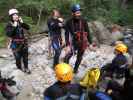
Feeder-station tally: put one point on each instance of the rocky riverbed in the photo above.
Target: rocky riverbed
(31, 86)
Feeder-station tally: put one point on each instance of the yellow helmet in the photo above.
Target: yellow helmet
(64, 72)
(91, 78)
(121, 48)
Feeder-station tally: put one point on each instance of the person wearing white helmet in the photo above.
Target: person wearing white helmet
(13, 11)
(15, 30)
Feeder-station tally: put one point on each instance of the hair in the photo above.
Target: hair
(118, 52)
(54, 11)
(11, 18)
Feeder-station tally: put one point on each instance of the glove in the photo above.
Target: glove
(60, 24)
(20, 20)
(61, 19)
(15, 24)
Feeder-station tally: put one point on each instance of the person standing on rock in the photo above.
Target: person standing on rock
(77, 36)
(55, 23)
(15, 31)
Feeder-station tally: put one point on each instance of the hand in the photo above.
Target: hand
(67, 49)
(63, 44)
(94, 44)
(15, 24)
(61, 19)
(60, 24)
(20, 20)
(92, 47)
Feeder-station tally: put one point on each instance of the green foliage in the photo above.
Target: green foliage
(34, 12)
(110, 10)
(30, 22)
(127, 18)
(107, 10)
(2, 36)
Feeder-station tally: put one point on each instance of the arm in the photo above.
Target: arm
(47, 94)
(67, 34)
(10, 30)
(25, 26)
(53, 25)
(127, 73)
(89, 37)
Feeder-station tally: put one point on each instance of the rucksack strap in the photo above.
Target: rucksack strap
(81, 28)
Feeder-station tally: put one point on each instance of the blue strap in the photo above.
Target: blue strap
(47, 98)
(103, 96)
(56, 45)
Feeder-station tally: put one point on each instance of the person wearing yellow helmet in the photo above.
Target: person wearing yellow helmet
(120, 48)
(119, 63)
(63, 89)
(64, 72)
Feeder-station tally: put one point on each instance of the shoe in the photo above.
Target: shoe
(27, 71)
(75, 71)
(20, 69)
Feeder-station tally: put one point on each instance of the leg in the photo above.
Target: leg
(78, 61)
(25, 59)
(67, 57)
(56, 57)
(49, 48)
(18, 56)
(57, 50)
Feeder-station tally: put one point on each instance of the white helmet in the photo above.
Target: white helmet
(13, 11)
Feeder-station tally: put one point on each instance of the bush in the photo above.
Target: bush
(2, 36)
(31, 23)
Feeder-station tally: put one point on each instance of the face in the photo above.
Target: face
(77, 14)
(56, 14)
(15, 17)
(115, 52)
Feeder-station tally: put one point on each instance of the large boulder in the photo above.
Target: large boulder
(101, 33)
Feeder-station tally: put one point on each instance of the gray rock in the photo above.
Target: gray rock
(32, 86)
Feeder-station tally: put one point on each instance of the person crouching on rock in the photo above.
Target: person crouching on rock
(119, 63)
(15, 31)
